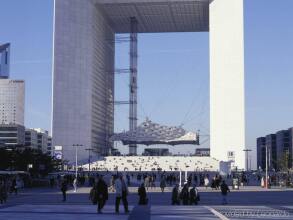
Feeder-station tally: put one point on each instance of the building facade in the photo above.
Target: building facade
(202, 152)
(38, 139)
(284, 148)
(42, 136)
(12, 135)
(83, 99)
(279, 150)
(261, 152)
(83, 82)
(12, 95)
(4, 61)
(31, 138)
(156, 152)
(49, 147)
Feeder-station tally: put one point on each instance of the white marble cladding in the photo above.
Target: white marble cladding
(82, 83)
(227, 116)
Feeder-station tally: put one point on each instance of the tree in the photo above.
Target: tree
(20, 158)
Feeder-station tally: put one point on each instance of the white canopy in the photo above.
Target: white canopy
(149, 133)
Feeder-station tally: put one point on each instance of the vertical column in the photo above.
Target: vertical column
(227, 113)
(133, 82)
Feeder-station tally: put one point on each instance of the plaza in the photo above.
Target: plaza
(192, 104)
(248, 203)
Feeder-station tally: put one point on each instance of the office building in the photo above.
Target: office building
(12, 135)
(42, 136)
(278, 147)
(31, 138)
(38, 139)
(261, 152)
(12, 95)
(49, 146)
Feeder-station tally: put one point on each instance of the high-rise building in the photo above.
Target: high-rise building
(4, 61)
(272, 150)
(261, 152)
(284, 147)
(12, 95)
(279, 148)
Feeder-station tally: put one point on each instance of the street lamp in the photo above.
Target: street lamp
(266, 181)
(89, 150)
(246, 152)
(76, 145)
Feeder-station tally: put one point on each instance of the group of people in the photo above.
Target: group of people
(70, 179)
(99, 193)
(216, 181)
(186, 196)
(9, 186)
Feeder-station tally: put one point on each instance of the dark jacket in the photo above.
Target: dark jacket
(185, 195)
(142, 195)
(193, 195)
(64, 186)
(102, 190)
(175, 194)
(224, 189)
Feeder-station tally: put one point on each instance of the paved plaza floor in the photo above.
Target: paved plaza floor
(43, 204)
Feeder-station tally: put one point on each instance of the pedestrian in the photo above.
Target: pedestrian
(143, 200)
(102, 193)
(64, 189)
(128, 179)
(75, 184)
(3, 192)
(184, 195)
(224, 190)
(175, 195)
(194, 195)
(163, 184)
(93, 194)
(206, 182)
(14, 187)
(121, 193)
(146, 182)
(262, 183)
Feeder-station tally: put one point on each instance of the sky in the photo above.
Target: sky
(173, 69)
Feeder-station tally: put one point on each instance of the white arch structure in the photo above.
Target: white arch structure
(84, 48)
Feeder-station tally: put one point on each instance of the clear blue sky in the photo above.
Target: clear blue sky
(173, 68)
